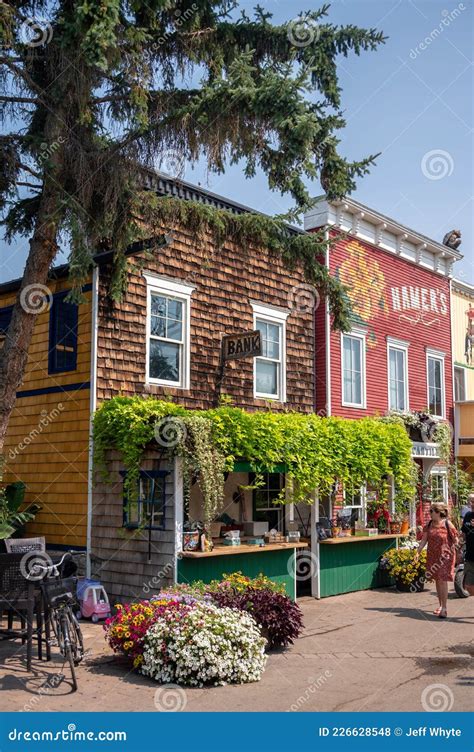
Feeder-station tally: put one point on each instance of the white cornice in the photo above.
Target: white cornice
(463, 287)
(384, 233)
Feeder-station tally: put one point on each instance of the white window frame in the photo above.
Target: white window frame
(177, 291)
(398, 344)
(436, 355)
(362, 336)
(442, 472)
(277, 316)
(464, 373)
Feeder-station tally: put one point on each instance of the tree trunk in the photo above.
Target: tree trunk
(43, 249)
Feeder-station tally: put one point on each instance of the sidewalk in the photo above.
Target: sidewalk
(370, 651)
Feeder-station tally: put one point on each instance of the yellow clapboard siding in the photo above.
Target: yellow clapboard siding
(47, 443)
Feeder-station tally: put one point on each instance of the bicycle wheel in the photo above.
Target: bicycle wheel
(75, 636)
(68, 651)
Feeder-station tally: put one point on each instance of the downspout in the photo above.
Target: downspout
(92, 408)
(328, 335)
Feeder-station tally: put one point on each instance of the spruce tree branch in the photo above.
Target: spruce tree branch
(19, 100)
(29, 185)
(29, 169)
(21, 73)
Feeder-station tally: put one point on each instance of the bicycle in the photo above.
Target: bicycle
(59, 594)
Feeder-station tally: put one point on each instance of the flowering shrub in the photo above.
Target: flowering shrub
(404, 565)
(210, 646)
(126, 630)
(240, 583)
(279, 618)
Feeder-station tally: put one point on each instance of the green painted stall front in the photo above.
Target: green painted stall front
(347, 567)
(274, 564)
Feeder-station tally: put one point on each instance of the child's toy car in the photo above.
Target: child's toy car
(93, 600)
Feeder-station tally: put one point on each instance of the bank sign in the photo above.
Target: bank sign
(241, 345)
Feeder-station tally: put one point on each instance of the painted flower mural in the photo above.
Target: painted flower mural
(366, 284)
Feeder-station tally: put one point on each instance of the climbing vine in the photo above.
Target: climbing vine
(317, 451)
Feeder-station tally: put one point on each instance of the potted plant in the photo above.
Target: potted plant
(396, 524)
(406, 567)
(12, 520)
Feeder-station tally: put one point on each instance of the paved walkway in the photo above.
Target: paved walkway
(368, 651)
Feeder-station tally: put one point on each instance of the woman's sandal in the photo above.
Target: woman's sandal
(443, 614)
(437, 611)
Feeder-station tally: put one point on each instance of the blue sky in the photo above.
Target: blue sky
(414, 105)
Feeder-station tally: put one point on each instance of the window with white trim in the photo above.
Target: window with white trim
(439, 487)
(168, 345)
(353, 370)
(270, 367)
(397, 377)
(435, 376)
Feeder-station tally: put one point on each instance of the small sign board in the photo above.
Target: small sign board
(241, 345)
(420, 450)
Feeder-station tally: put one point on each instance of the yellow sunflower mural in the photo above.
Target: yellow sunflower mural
(365, 281)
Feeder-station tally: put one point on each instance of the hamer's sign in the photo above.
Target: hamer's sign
(241, 345)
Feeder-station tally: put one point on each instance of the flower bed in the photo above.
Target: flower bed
(206, 634)
(211, 645)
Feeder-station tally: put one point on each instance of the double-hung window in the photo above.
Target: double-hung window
(146, 508)
(397, 355)
(435, 378)
(168, 339)
(439, 487)
(270, 367)
(353, 369)
(63, 326)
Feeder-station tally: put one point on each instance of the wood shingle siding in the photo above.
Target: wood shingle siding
(225, 282)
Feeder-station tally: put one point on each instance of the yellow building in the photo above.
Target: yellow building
(462, 306)
(47, 444)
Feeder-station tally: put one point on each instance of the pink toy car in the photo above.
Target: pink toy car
(93, 600)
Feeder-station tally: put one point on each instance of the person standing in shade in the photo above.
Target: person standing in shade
(441, 537)
(467, 530)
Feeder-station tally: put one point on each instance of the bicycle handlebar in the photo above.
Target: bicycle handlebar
(54, 567)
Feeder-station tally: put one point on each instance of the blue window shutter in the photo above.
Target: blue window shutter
(5, 318)
(63, 324)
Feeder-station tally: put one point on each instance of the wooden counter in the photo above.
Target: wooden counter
(221, 550)
(360, 538)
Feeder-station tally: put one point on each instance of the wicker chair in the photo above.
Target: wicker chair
(20, 596)
(24, 545)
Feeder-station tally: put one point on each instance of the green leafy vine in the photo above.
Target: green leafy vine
(317, 451)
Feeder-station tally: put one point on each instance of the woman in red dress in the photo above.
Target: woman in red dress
(441, 537)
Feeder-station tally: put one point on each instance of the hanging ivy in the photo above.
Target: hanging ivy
(317, 451)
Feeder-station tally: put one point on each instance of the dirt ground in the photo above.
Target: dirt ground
(375, 650)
